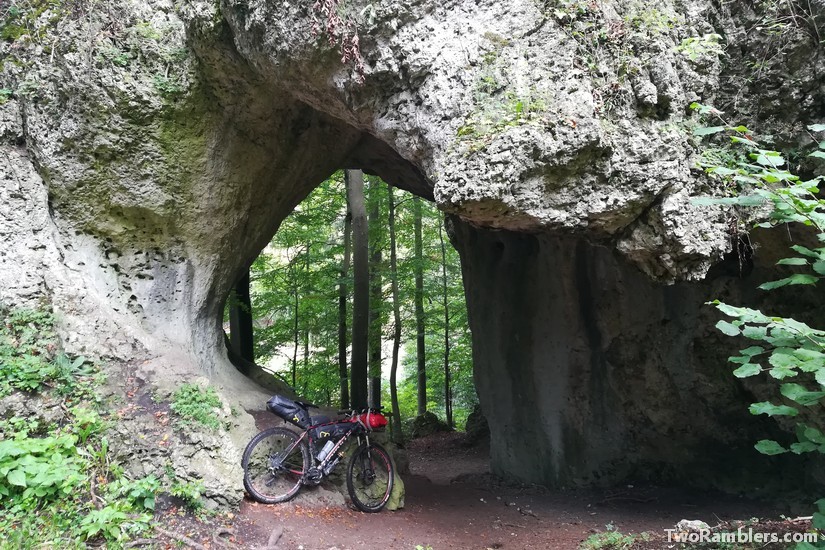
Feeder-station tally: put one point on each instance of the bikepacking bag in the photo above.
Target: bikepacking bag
(332, 432)
(373, 421)
(289, 410)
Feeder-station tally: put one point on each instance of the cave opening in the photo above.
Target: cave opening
(289, 318)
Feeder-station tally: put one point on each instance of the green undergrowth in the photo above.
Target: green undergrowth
(196, 405)
(59, 485)
(612, 539)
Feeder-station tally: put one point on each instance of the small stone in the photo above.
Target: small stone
(692, 526)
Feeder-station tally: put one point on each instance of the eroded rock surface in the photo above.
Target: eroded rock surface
(150, 150)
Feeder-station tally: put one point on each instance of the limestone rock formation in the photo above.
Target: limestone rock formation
(151, 149)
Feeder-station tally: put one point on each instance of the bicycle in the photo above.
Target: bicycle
(278, 461)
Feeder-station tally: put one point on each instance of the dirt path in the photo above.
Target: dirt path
(477, 511)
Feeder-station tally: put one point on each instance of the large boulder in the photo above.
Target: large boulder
(427, 424)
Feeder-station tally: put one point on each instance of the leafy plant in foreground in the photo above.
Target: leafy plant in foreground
(787, 348)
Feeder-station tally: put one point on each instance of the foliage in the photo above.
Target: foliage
(194, 404)
(29, 360)
(27, 345)
(294, 294)
(189, 492)
(58, 484)
(787, 348)
(39, 467)
(697, 47)
(611, 539)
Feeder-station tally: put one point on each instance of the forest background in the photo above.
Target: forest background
(301, 296)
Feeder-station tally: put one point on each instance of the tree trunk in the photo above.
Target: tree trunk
(448, 391)
(295, 332)
(306, 324)
(397, 434)
(342, 311)
(375, 298)
(419, 309)
(240, 321)
(361, 306)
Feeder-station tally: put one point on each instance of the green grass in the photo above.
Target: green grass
(196, 405)
(611, 539)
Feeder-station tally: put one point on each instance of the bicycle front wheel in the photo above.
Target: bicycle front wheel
(274, 463)
(370, 477)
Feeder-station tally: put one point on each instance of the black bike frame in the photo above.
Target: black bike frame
(357, 431)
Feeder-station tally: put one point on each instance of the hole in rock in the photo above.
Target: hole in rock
(293, 315)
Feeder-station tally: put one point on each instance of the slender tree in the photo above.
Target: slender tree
(306, 324)
(360, 306)
(375, 335)
(397, 434)
(295, 332)
(448, 395)
(419, 308)
(342, 312)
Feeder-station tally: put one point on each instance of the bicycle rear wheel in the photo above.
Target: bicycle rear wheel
(370, 477)
(274, 464)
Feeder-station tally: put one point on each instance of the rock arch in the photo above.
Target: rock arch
(147, 189)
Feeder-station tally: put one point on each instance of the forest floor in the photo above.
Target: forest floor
(452, 501)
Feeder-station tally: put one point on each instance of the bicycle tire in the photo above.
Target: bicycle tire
(370, 476)
(262, 482)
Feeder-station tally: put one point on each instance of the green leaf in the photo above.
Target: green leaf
(783, 357)
(817, 128)
(781, 373)
(808, 354)
(820, 505)
(769, 447)
(810, 366)
(767, 159)
(755, 333)
(792, 261)
(748, 369)
(814, 435)
(775, 284)
(803, 447)
(805, 251)
(800, 394)
(819, 267)
(817, 154)
(818, 520)
(803, 279)
(744, 141)
(728, 328)
(795, 279)
(17, 477)
(772, 410)
(707, 130)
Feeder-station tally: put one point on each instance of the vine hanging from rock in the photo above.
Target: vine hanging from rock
(340, 31)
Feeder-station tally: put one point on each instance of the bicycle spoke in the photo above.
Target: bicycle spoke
(370, 478)
(274, 463)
